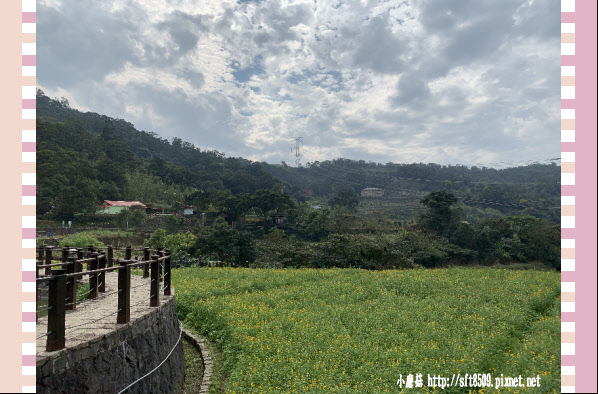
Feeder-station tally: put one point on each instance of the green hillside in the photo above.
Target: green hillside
(279, 216)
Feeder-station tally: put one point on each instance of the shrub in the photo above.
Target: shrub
(313, 226)
(181, 259)
(518, 238)
(225, 243)
(116, 238)
(81, 240)
(173, 223)
(157, 239)
(182, 242)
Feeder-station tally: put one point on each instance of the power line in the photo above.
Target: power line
(340, 170)
(477, 164)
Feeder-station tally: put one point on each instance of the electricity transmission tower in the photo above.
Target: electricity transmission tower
(297, 144)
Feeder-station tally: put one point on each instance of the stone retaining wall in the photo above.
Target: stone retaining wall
(112, 362)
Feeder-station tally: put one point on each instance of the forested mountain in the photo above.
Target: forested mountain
(84, 158)
(430, 215)
(533, 189)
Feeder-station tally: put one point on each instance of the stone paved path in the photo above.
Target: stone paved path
(95, 318)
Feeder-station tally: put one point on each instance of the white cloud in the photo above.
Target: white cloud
(390, 80)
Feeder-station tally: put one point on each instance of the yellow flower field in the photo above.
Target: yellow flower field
(348, 330)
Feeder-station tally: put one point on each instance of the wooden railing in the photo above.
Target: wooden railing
(63, 281)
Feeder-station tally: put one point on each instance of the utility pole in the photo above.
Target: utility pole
(297, 144)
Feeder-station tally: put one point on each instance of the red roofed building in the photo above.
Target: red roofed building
(113, 207)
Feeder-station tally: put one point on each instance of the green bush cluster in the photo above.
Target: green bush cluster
(406, 249)
(520, 238)
(324, 239)
(220, 242)
(81, 240)
(181, 246)
(100, 238)
(115, 238)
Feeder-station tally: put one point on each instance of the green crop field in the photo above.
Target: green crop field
(347, 330)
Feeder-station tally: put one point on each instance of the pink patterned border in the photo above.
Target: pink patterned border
(28, 188)
(572, 201)
(567, 195)
(578, 196)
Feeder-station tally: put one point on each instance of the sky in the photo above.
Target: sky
(471, 82)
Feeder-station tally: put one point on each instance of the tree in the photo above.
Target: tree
(140, 186)
(236, 207)
(266, 202)
(314, 225)
(136, 215)
(441, 215)
(225, 242)
(344, 198)
(199, 199)
(131, 217)
(157, 239)
(518, 238)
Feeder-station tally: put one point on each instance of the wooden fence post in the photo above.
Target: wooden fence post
(161, 254)
(37, 264)
(102, 275)
(71, 285)
(128, 252)
(65, 256)
(79, 264)
(167, 271)
(110, 256)
(155, 282)
(48, 270)
(56, 311)
(40, 251)
(124, 293)
(93, 278)
(146, 257)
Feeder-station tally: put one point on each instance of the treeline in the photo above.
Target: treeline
(533, 189)
(88, 157)
(266, 215)
(327, 238)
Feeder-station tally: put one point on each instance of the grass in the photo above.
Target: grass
(218, 385)
(359, 331)
(194, 368)
(83, 292)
